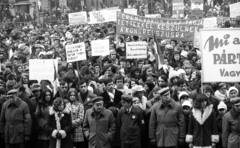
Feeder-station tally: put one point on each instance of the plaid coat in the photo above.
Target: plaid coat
(77, 113)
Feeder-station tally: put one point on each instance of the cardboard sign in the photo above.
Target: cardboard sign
(136, 50)
(234, 10)
(210, 23)
(220, 55)
(77, 18)
(178, 8)
(103, 16)
(178, 29)
(131, 11)
(75, 52)
(197, 8)
(42, 69)
(100, 47)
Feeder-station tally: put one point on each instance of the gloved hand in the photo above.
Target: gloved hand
(27, 138)
(153, 141)
(181, 141)
(59, 136)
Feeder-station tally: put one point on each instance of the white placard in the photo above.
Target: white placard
(103, 16)
(100, 47)
(75, 52)
(42, 69)
(220, 55)
(77, 18)
(210, 23)
(234, 10)
(136, 50)
(131, 11)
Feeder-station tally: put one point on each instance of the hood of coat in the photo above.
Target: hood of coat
(197, 114)
(65, 111)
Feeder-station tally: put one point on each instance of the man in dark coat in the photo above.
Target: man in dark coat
(111, 94)
(15, 121)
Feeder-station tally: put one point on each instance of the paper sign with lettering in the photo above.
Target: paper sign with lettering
(234, 10)
(178, 29)
(197, 8)
(42, 69)
(220, 55)
(136, 50)
(131, 11)
(209, 23)
(75, 52)
(77, 18)
(103, 16)
(177, 8)
(153, 15)
(100, 47)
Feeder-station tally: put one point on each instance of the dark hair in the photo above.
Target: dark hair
(181, 82)
(57, 102)
(75, 92)
(82, 81)
(119, 78)
(164, 77)
(30, 82)
(200, 98)
(44, 97)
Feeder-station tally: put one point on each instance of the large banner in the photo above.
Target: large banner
(103, 16)
(178, 29)
(177, 8)
(220, 55)
(100, 47)
(75, 52)
(197, 8)
(77, 18)
(209, 23)
(153, 15)
(42, 69)
(136, 50)
(234, 10)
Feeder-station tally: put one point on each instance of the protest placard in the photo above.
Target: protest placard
(153, 15)
(100, 47)
(177, 8)
(42, 69)
(196, 40)
(197, 8)
(178, 29)
(220, 55)
(209, 23)
(131, 11)
(75, 52)
(77, 18)
(221, 21)
(136, 50)
(103, 16)
(234, 10)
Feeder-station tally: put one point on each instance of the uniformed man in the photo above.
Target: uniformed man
(130, 122)
(15, 121)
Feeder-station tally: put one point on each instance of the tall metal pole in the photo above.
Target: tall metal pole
(50, 10)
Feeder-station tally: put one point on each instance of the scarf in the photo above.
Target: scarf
(58, 117)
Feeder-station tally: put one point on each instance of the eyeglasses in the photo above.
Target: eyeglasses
(186, 108)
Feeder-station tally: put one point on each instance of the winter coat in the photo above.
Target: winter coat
(167, 124)
(202, 129)
(87, 103)
(231, 130)
(66, 128)
(99, 128)
(15, 121)
(77, 113)
(131, 125)
(42, 114)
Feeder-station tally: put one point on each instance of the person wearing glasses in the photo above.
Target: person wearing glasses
(15, 121)
(167, 125)
(221, 93)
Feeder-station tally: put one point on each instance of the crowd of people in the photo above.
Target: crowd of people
(110, 101)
